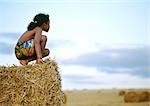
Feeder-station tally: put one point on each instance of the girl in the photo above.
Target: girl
(31, 45)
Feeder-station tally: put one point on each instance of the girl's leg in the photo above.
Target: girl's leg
(44, 54)
(23, 62)
(43, 42)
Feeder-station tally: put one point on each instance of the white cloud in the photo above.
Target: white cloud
(8, 60)
(78, 70)
(78, 77)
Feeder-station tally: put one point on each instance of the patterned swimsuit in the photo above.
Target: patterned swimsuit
(24, 50)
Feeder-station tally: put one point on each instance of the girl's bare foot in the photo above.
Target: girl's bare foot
(23, 62)
(39, 61)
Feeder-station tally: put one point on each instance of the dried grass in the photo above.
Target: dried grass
(32, 85)
(144, 96)
(131, 96)
(122, 93)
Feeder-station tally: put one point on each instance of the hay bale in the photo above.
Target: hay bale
(131, 97)
(144, 96)
(122, 93)
(32, 85)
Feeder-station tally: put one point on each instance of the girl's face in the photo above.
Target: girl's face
(46, 26)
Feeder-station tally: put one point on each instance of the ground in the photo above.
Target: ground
(98, 98)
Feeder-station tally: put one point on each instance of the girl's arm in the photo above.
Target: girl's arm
(37, 39)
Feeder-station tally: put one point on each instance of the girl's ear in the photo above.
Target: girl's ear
(45, 24)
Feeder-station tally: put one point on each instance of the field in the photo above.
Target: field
(99, 98)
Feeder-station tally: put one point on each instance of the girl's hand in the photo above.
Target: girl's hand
(39, 61)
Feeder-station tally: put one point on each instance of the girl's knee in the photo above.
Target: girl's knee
(44, 38)
(46, 52)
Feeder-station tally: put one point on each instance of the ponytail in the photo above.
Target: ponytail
(31, 26)
(38, 20)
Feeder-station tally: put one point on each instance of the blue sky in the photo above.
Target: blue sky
(97, 43)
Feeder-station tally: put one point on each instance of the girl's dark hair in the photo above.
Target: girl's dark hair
(38, 20)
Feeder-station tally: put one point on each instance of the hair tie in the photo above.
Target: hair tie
(35, 22)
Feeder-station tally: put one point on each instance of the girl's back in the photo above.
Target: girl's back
(28, 35)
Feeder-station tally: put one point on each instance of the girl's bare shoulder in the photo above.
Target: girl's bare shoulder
(37, 29)
(32, 33)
